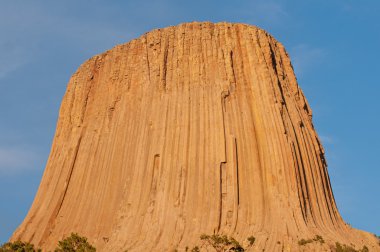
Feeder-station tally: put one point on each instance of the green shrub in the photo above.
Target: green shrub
(195, 249)
(303, 242)
(365, 249)
(319, 239)
(346, 248)
(74, 243)
(251, 240)
(18, 246)
(221, 243)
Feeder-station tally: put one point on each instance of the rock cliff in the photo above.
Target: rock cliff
(198, 128)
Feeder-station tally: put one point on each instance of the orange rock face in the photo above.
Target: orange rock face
(198, 128)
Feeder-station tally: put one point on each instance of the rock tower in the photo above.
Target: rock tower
(197, 128)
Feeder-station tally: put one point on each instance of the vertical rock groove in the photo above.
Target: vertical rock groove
(197, 128)
(237, 173)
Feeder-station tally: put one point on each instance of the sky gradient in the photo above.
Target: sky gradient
(333, 46)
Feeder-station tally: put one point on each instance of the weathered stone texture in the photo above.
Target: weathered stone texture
(192, 129)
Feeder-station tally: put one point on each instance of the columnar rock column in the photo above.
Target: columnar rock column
(198, 128)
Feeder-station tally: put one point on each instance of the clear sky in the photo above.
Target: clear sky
(333, 44)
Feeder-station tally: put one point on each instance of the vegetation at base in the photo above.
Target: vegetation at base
(303, 242)
(221, 243)
(338, 247)
(195, 249)
(317, 238)
(74, 243)
(18, 246)
(218, 242)
(345, 248)
(251, 240)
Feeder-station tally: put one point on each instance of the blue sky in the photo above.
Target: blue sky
(333, 44)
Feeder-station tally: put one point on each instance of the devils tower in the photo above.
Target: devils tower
(197, 128)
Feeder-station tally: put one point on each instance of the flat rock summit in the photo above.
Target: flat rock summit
(192, 129)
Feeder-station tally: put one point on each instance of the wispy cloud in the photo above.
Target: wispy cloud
(267, 12)
(305, 57)
(12, 58)
(27, 28)
(15, 160)
(326, 140)
(346, 7)
(270, 11)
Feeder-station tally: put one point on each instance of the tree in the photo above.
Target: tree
(74, 243)
(18, 246)
(222, 243)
